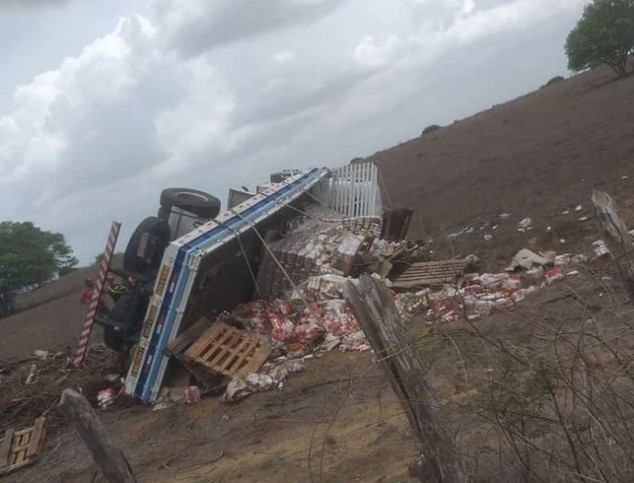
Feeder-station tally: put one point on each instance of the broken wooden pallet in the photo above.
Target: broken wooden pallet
(183, 341)
(228, 351)
(430, 273)
(21, 448)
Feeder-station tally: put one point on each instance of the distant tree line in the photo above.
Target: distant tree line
(29, 255)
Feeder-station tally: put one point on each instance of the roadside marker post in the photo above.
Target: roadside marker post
(89, 320)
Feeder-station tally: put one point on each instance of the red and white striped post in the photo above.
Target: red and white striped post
(82, 347)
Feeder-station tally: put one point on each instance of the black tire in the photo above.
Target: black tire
(163, 213)
(197, 202)
(159, 231)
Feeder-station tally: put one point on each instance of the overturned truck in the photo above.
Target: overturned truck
(243, 253)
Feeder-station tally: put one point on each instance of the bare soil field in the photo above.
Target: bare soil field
(339, 420)
(535, 156)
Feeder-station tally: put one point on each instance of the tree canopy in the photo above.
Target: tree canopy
(30, 255)
(604, 35)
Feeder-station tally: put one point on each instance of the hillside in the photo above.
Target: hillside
(49, 317)
(534, 156)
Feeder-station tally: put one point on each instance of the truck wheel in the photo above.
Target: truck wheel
(159, 237)
(197, 202)
(163, 213)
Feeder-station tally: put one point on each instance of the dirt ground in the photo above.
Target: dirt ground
(51, 326)
(48, 318)
(339, 420)
(533, 157)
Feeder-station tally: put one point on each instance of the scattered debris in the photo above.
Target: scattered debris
(192, 395)
(106, 397)
(554, 274)
(488, 237)
(464, 231)
(563, 259)
(21, 448)
(42, 354)
(578, 208)
(526, 259)
(177, 346)
(21, 403)
(31, 376)
(431, 273)
(600, 249)
(168, 397)
(272, 376)
(524, 225)
(228, 351)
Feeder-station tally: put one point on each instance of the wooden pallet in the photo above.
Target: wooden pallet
(21, 448)
(228, 351)
(430, 273)
(183, 341)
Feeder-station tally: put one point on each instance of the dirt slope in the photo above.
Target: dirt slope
(534, 156)
(49, 317)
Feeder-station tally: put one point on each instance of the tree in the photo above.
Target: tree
(604, 35)
(30, 255)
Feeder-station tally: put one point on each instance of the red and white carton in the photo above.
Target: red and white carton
(192, 394)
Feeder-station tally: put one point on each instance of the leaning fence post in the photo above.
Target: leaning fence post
(616, 237)
(377, 315)
(111, 460)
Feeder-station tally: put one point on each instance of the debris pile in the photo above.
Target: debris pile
(31, 386)
(21, 448)
(319, 325)
(313, 317)
(318, 242)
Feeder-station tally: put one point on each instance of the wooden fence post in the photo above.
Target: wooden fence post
(614, 233)
(379, 319)
(111, 460)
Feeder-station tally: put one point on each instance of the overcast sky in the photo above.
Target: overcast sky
(103, 104)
